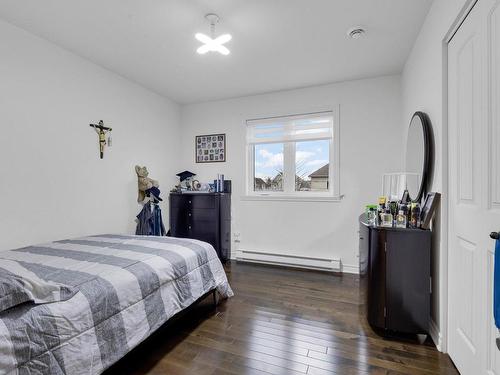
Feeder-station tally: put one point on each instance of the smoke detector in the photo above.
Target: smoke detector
(356, 32)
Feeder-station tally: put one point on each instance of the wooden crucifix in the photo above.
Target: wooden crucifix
(101, 131)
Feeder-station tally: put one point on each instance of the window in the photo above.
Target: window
(293, 155)
(268, 166)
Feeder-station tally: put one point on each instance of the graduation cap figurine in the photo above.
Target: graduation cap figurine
(186, 178)
(184, 175)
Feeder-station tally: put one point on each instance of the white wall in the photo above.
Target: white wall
(53, 184)
(370, 141)
(423, 89)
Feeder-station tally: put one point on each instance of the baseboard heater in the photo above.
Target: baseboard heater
(332, 265)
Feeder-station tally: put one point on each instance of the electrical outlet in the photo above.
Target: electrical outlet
(236, 238)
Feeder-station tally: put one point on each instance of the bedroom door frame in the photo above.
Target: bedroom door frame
(485, 12)
(443, 336)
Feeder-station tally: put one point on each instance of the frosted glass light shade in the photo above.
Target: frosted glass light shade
(213, 45)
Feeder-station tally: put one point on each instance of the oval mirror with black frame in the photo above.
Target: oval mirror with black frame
(418, 156)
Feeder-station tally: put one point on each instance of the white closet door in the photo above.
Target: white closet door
(474, 184)
(493, 169)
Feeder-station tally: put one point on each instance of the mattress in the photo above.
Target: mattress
(127, 287)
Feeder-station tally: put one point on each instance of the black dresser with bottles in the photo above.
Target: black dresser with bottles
(395, 277)
(205, 217)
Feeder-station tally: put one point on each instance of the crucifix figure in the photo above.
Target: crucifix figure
(101, 131)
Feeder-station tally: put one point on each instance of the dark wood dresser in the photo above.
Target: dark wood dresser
(205, 217)
(395, 279)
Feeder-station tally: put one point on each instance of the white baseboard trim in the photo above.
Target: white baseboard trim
(435, 334)
(349, 268)
(314, 263)
(323, 264)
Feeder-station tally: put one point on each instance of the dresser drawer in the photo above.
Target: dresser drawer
(202, 201)
(178, 200)
(202, 214)
(202, 227)
(203, 231)
(193, 201)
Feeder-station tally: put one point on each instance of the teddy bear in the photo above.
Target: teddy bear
(144, 182)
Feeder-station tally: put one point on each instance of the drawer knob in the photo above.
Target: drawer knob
(189, 214)
(189, 227)
(189, 201)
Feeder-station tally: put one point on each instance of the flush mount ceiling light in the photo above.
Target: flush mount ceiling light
(356, 32)
(211, 43)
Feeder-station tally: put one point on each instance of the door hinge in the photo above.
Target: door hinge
(430, 285)
(385, 247)
(385, 312)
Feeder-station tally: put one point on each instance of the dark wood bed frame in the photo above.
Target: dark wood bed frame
(215, 301)
(215, 297)
(182, 313)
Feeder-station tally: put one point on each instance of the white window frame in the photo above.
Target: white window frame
(289, 193)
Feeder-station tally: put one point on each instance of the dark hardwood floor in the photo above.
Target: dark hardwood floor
(281, 321)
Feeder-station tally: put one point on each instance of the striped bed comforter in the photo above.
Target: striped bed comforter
(128, 286)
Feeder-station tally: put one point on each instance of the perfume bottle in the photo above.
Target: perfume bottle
(401, 219)
(386, 218)
(381, 208)
(393, 206)
(415, 215)
(406, 211)
(371, 215)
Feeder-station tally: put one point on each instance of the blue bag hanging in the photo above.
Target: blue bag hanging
(496, 285)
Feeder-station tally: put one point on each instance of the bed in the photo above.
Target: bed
(101, 297)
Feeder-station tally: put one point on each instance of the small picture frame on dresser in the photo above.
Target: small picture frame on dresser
(210, 148)
(430, 206)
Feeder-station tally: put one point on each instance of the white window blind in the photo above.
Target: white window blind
(314, 126)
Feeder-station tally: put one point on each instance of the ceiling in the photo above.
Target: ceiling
(276, 45)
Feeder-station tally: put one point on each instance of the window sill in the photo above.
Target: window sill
(291, 198)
